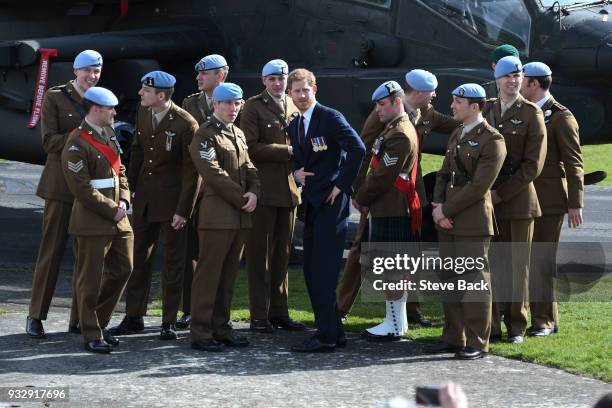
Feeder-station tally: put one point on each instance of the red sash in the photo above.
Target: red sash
(408, 187)
(108, 152)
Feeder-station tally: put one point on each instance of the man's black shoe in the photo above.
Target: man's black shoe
(184, 322)
(208, 345)
(110, 339)
(128, 325)
(442, 347)
(420, 320)
(532, 331)
(34, 328)
(556, 329)
(313, 345)
(74, 327)
(168, 331)
(287, 323)
(234, 341)
(98, 346)
(495, 338)
(470, 353)
(378, 338)
(262, 326)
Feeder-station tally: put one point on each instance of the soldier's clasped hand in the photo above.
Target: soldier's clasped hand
(178, 222)
(121, 211)
(251, 202)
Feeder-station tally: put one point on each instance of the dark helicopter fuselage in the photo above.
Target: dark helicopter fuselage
(351, 45)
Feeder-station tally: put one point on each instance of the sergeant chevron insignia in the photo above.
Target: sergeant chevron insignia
(208, 154)
(75, 167)
(389, 161)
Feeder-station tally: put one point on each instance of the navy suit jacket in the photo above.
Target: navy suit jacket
(337, 165)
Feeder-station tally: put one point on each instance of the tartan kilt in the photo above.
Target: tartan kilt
(397, 237)
(390, 229)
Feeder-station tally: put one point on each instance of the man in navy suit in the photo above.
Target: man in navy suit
(327, 154)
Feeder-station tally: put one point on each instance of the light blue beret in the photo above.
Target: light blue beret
(470, 91)
(158, 79)
(537, 69)
(87, 58)
(275, 67)
(212, 61)
(227, 91)
(386, 89)
(421, 80)
(507, 65)
(101, 96)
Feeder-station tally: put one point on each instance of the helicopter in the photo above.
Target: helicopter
(351, 45)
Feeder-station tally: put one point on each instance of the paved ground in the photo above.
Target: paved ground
(147, 371)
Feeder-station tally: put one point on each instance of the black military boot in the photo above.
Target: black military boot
(34, 328)
(128, 325)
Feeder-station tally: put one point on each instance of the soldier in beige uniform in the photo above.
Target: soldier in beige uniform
(163, 182)
(388, 195)
(96, 177)
(264, 121)
(420, 90)
(61, 113)
(521, 123)
(211, 71)
(219, 152)
(560, 189)
(463, 213)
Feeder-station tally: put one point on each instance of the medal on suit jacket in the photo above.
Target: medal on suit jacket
(318, 144)
(315, 145)
(169, 138)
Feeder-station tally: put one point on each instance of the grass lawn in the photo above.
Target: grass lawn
(581, 347)
(596, 157)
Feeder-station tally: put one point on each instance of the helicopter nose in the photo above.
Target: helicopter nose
(586, 49)
(604, 56)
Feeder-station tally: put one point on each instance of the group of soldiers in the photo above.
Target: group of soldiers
(219, 175)
(512, 169)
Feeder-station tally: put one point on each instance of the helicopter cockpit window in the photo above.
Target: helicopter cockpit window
(493, 21)
(379, 3)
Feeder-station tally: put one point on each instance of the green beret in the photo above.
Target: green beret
(502, 51)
